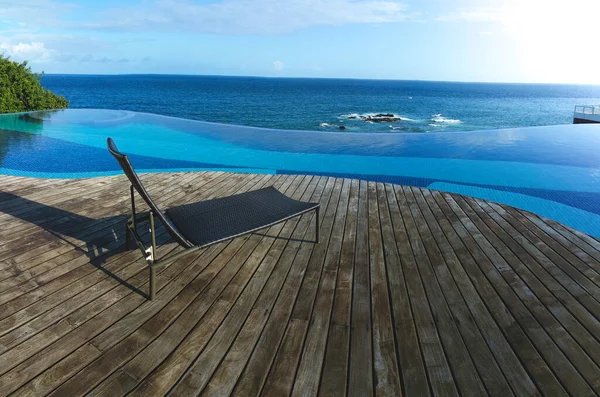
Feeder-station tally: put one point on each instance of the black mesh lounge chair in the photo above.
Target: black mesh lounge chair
(198, 225)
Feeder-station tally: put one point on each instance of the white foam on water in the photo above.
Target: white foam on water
(440, 119)
(363, 116)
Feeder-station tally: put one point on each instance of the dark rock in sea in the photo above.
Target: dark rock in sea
(381, 118)
(351, 117)
(342, 127)
(384, 115)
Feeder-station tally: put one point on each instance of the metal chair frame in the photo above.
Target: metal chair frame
(149, 253)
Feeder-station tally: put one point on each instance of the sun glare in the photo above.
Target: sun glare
(557, 40)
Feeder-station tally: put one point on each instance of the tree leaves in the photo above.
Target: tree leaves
(21, 91)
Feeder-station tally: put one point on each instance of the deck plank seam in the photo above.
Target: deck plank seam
(562, 301)
(551, 364)
(535, 231)
(412, 207)
(424, 207)
(322, 196)
(542, 280)
(329, 322)
(91, 226)
(386, 189)
(338, 186)
(401, 218)
(579, 239)
(191, 365)
(296, 223)
(116, 249)
(440, 199)
(407, 216)
(477, 292)
(193, 262)
(295, 249)
(550, 311)
(390, 312)
(129, 293)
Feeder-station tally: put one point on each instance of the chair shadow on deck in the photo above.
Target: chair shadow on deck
(101, 238)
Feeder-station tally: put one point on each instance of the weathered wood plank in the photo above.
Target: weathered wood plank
(513, 285)
(126, 336)
(385, 363)
(255, 373)
(335, 367)
(414, 376)
(459, 305)
(134, 299)
(360, 371)
(283, 370)
(225, 377)
(410, 292)
(253, 271)
(313, 353)
(464, 269)
(440, 376)
(428, 258)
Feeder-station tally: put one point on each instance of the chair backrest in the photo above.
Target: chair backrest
(137, 185)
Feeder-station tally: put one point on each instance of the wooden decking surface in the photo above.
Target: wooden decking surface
(410, 292)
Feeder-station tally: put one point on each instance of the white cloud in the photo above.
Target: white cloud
(29, 48)
(40, 49)
(228, 17)
(38, 13)
(278, 66)
(247, 16)
(35, 51)
(474, 15)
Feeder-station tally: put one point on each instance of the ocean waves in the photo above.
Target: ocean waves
(303, 104)
(387, 121)
(438, 118)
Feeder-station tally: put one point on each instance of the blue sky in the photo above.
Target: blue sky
(533, 41)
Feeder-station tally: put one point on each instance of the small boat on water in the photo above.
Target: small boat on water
(586, 114)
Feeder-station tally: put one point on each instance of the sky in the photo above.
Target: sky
(527, 41)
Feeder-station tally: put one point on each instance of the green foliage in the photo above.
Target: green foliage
(21, 91)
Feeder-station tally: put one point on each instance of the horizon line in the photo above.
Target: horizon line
(317, 78)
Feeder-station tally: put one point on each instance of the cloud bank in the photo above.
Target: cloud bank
(35, 51)
(236, 17)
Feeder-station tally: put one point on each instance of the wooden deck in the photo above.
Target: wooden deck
(410, 292)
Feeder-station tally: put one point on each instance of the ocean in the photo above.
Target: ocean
(330, 104)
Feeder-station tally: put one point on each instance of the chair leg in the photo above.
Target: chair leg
(127, 235)
(152, 284)
(317, 227)
(152, 258)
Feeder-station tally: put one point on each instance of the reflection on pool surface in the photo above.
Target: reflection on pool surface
(552, 171)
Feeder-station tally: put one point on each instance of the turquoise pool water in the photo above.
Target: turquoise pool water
(552, 171)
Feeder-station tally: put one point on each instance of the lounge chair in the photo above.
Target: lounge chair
(198, 225)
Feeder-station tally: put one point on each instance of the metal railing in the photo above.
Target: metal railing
(588, 109)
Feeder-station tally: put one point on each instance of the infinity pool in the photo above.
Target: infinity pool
(552, 171)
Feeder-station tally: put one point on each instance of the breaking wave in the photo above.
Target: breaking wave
(439, 119)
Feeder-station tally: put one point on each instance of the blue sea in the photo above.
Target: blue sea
(328, 104)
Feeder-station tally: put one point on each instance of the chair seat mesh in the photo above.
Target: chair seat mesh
(213, 220)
